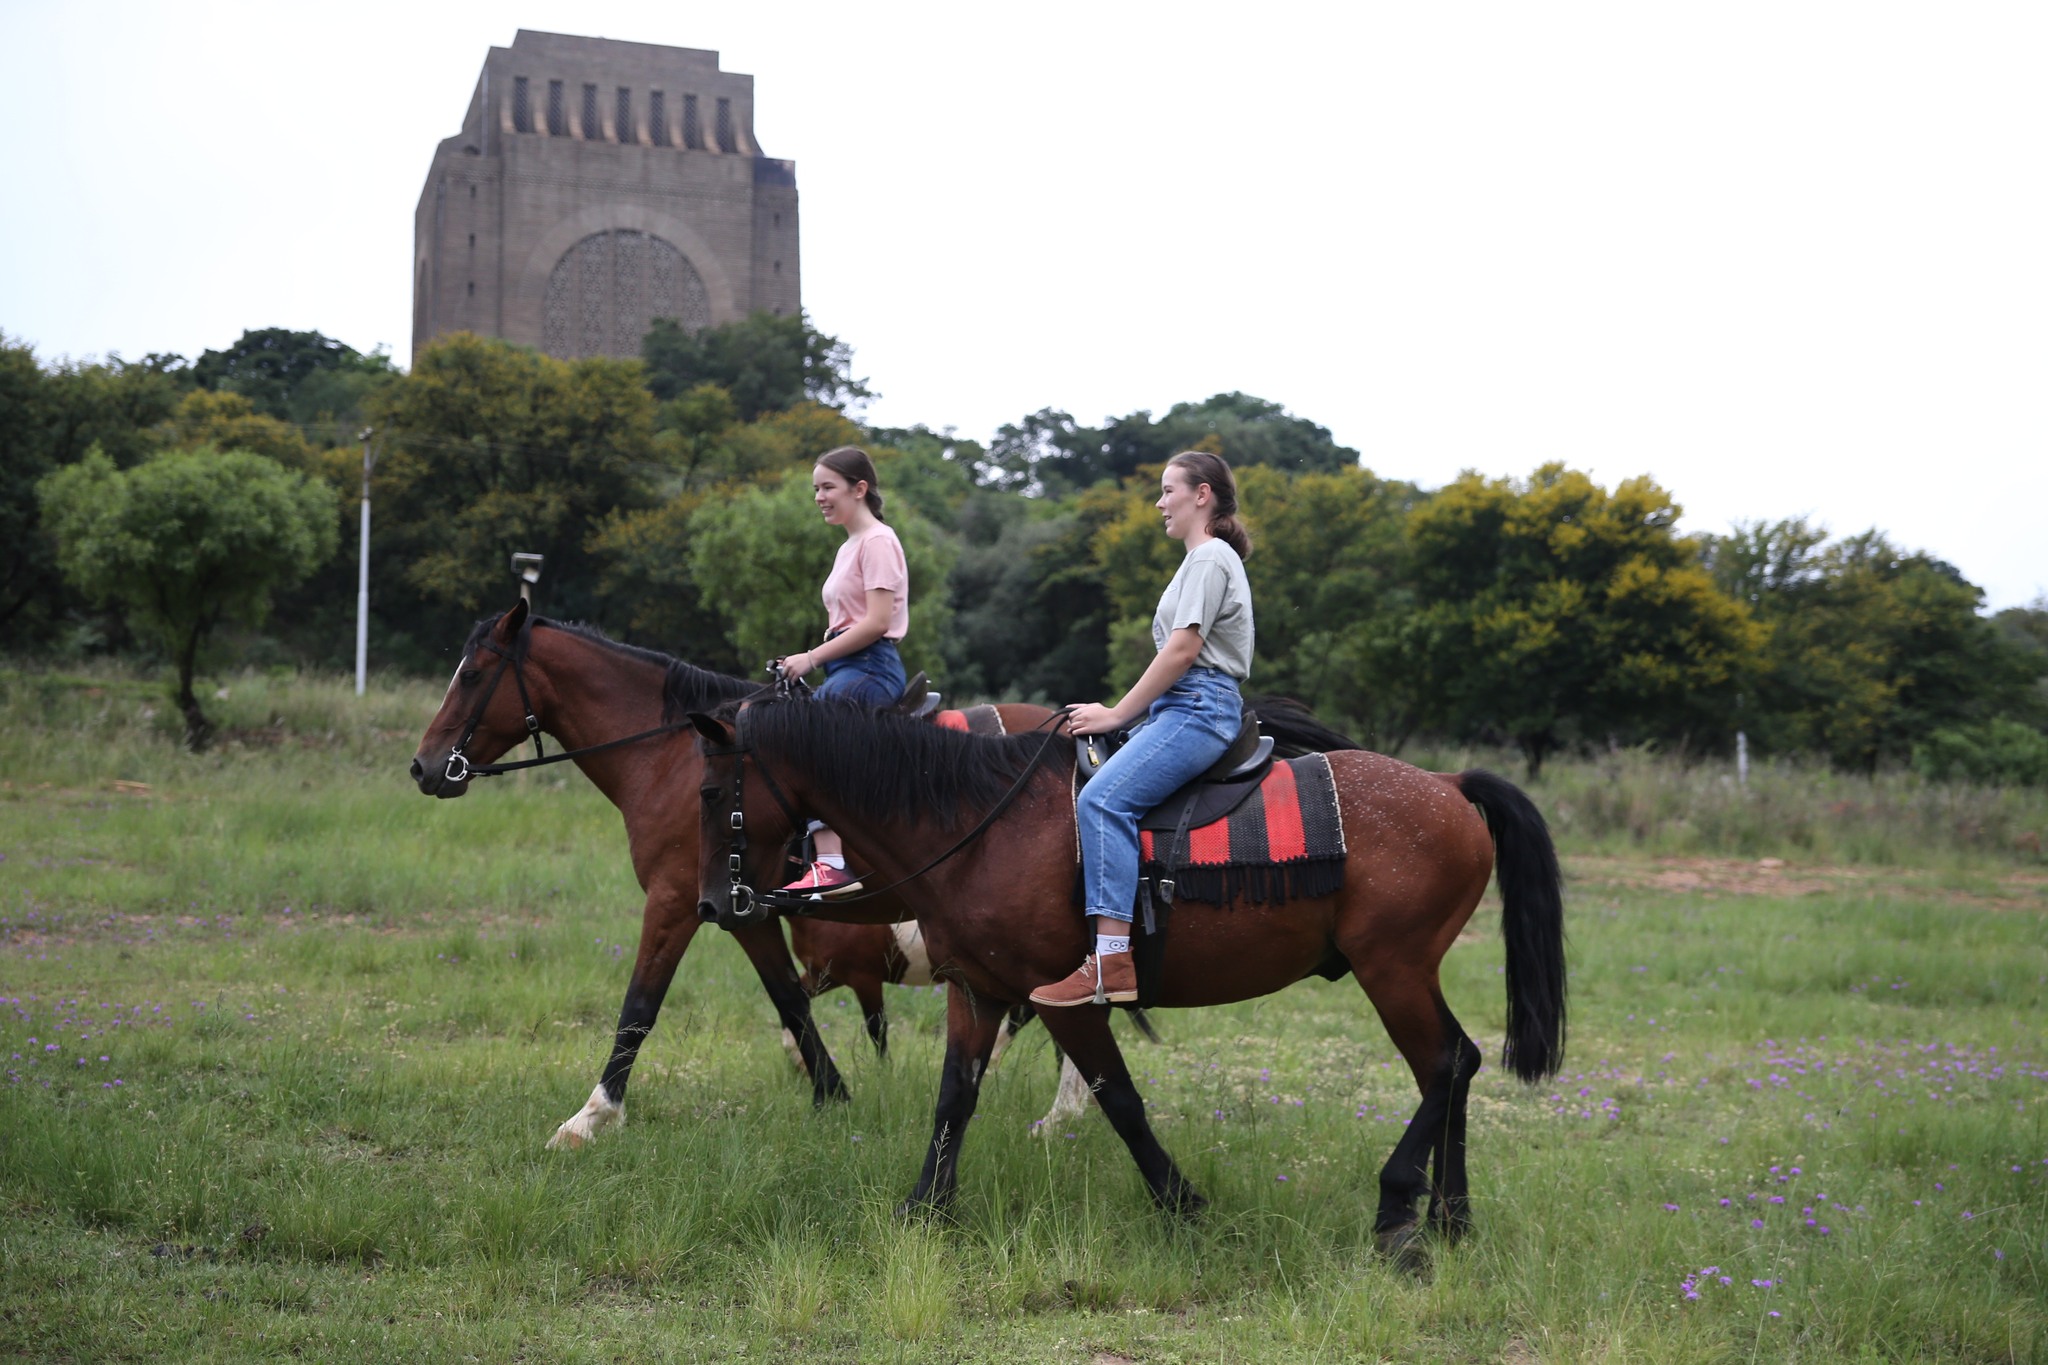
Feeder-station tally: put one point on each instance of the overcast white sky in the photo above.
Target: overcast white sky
(1786, 258)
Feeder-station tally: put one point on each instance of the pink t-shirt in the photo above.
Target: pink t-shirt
(872, 559)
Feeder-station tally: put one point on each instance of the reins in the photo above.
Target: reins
(800, 903)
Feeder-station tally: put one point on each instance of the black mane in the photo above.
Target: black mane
(684, 686)
(893, 766)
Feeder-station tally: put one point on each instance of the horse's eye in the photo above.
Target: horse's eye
(710, 795)
(470, 675)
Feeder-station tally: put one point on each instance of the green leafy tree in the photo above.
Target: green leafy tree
(1049, 452)
(764, 362)
(1550, 610)
(300, 377)
(228, 421)
(1329, 578)
(489, 448)
(759, 556)
(1871, 649)
(1031, 613)
(49, 418)
(186, 540)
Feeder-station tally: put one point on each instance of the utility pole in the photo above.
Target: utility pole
(363, 571)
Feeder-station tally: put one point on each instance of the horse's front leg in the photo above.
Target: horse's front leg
(765, 948)
(667, 924)
(971, 1026)
(1082, 1031)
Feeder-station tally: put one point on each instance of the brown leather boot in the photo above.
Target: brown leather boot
(1111, 978)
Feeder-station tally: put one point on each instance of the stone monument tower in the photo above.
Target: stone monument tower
(595, 186)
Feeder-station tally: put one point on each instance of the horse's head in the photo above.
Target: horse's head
(745, 825)
(484, 713)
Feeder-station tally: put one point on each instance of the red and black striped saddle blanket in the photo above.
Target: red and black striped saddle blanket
(1284, 842)
(974, 720)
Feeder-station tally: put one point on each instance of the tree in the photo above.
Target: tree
(1031, 617)
(1871, 649)
(1550, 610)
(186, 540)
(228, 421)
(300, 377)
(764, 362)
(489, 448)
(1048, 452)
(49, 418)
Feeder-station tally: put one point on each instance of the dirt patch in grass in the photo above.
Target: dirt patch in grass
(1711, 877)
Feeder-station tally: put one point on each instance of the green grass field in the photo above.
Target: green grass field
(283, 1040)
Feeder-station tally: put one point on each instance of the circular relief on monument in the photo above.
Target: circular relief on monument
(607, 290)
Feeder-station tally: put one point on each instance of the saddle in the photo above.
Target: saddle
(1210, 797)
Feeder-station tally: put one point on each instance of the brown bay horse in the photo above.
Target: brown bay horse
(588, 691)
(998, 916)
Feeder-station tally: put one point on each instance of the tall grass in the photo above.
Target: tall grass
(339, 1020)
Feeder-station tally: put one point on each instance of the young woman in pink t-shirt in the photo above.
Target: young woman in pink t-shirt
(867, 610)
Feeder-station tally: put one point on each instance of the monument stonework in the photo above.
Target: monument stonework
(598, 185)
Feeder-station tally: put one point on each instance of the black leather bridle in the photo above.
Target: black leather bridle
(748, 904)
(460, 769)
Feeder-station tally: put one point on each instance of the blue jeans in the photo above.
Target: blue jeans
(1185, 732)
(873, 676)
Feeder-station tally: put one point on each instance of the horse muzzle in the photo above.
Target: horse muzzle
(445, 780)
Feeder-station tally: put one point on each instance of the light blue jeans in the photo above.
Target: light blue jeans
(1182, 734)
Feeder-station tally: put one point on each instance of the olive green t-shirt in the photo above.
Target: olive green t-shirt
(1210, 593)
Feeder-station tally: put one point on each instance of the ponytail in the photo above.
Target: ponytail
(1203, 468)
(852, 464)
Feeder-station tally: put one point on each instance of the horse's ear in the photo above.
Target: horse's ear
(711, 729)
(509, 624)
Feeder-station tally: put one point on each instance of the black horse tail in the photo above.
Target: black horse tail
(1531, 921)
(1294, 728)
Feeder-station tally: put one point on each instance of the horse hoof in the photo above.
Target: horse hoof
(916, 1210)
(1403, 1246)
(1185, 1205)
(598, 1113)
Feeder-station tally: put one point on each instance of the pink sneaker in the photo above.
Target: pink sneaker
(821, 880)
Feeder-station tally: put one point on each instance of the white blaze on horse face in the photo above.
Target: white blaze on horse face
(918, 963)
(454, 678)
(597, 1114)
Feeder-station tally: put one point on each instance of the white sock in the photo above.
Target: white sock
(1105, 944)
(837, 860)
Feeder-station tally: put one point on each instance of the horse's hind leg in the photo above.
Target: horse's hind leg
(667, 924)
(1013, 1024)
(764, 947)
(1082, 1031)
(1442, 1060)
(971, 1026)
(868, 990)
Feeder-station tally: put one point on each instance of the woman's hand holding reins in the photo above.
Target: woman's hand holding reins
(1093, 718)
(790, 669)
